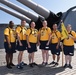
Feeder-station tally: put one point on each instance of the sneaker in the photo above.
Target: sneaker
(52, 63)
(12, 64)
(19, 67)
(56, 64)
(31, 65)
(23, 64)
(46, 63)
(43, 63)
(8, 66)
(70, 66)
(35, 64)
(65, 66)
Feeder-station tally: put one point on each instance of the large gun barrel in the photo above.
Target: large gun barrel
(19, 16)
(49, 16)
(37, 8)
(20, 9)
(30, 15)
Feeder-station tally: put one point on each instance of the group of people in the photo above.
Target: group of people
(23, 38)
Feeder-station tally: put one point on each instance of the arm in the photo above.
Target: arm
(50, 36)
(7, 40)
(58, 44)
(18, 37)
(73, 35)
(59, 39)
(39, 35)
(27, 37)
(28, 41)
(74, 38)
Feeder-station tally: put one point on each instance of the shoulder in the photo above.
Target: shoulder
(18, 27)
(58, 31)
(36, 30)
(6, 29)
(40, 29)
(73, 32)
(29, 29)
(25, 28)
(48, 28)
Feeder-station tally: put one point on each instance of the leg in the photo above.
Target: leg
(19, 66)
(70, 59)
(58, 57)
(8, 61)
(20, 56)
(53, 57)
(66, 59)
(29, 57)
(43, 55)
(47, 56)
(7, 58)
(11, 57)
(32, 57)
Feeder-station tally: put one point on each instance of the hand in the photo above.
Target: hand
(29, 46)
(61, 21)
(57, 47)
(9, 45)
(47, 43)
(38, 43)
(70, 36)
(20, 44)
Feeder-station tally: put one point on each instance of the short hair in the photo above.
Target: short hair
(43, 21)
(10, 22)
(31, 22)
(69, 25)
(23, 20)
(54, 24)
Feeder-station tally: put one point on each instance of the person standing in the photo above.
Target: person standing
(68, 46)
(32, 39)
(43, 38)
(54, 46)
(9, 44)
(21, 42)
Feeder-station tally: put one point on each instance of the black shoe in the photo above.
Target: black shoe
(19, 67)
(11, 64)
(70, 66)
(8, 66)
(43, 63)
(52, 63)
(46, 63)
(56, 64)
(31, 65)
(35, 64)
(23, 64)
(65, 66)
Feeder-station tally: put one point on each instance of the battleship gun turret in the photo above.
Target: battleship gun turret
(47, 14)
(30, 15)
